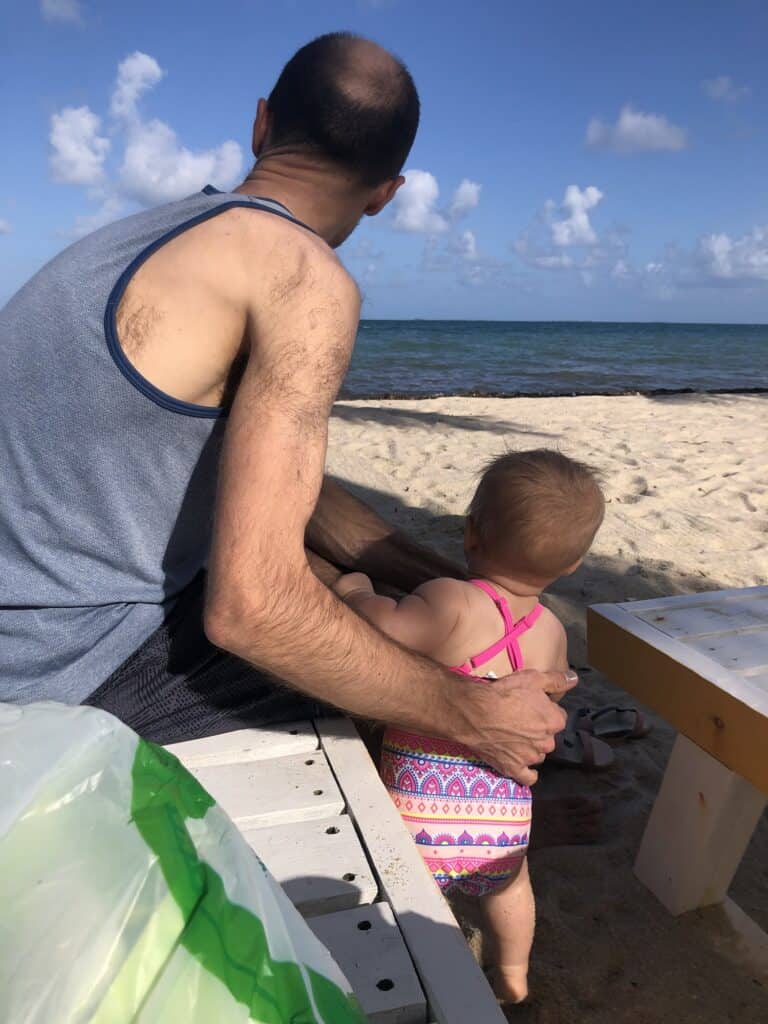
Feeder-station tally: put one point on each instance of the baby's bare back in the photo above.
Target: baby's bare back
(480, 624)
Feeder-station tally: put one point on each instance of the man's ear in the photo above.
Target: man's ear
(383, 195)
(261, 127)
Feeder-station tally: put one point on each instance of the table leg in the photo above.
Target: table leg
(699, 828)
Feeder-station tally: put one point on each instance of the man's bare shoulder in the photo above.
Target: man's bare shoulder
(282, 258)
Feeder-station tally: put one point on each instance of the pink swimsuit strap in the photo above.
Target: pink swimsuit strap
(509, 641)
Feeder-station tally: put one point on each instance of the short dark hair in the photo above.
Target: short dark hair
(538, 510)
(360, 114)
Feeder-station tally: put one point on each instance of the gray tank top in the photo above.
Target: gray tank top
(106, 483)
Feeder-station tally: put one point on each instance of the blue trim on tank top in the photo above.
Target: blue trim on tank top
(119, 357)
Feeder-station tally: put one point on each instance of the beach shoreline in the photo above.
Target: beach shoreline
(404, 396)
(687, 510)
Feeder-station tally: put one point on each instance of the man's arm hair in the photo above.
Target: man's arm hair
(264, 603)
(350, 533)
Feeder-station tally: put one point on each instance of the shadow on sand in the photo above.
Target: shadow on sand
(409, 417)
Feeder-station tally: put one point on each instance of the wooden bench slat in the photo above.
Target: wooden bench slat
(296, 788)
(320, 864)
(367, 945)
(247, 745)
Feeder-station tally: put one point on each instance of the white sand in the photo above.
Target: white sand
(687, 491)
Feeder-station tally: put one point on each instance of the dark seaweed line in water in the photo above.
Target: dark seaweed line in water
(366, 396)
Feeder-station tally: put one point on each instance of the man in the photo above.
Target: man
(208, 339)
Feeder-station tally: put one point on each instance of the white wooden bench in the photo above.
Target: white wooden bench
(701, 662)
(308, 799)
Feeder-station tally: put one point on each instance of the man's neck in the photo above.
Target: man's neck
(322, 200)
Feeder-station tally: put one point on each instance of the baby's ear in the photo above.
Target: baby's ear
(572, 568)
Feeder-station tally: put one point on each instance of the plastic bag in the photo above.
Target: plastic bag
(127, 895)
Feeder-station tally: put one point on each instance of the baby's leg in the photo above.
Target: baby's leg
(509, 917)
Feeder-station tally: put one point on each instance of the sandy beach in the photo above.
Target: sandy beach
(687, 510)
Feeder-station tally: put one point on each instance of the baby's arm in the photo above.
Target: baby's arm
(562, 650)
(422, 620)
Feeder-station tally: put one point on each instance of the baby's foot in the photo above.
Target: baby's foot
(510, 982)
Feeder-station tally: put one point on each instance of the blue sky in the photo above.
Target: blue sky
(596, 160)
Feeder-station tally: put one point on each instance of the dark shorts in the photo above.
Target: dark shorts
(178, 686)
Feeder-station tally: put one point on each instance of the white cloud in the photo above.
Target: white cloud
(723, 87)
(135, 75)
(736, 260)
(563, 239)
(153, 165)
(575, 229)
(415, 205)
(717, 260)
(156, 169)
(110, 209)
(78, 151)
(558, 262)
(465, 198)
(465, 246)
(61, 10)
(363, 249)
(5, 227)
(636, 132)
(459, 256)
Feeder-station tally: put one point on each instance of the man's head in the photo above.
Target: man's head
(345, 104)
(535, 514)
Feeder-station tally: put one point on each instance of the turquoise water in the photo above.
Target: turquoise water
(417, 358)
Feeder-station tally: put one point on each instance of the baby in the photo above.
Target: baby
(532, 519)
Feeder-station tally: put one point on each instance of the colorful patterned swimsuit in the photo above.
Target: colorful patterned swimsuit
(470, 824)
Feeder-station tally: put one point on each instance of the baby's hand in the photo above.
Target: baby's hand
(352, 583)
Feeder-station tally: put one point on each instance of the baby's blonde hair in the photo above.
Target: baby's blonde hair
(537, 510)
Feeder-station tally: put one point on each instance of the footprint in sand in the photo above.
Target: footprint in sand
(640, 490)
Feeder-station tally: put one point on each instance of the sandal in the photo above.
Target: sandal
(610, 723)
(578, 749)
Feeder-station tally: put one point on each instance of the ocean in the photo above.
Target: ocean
(422, 358)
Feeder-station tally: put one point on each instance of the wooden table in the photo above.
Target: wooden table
(308, 799)
(701, 662)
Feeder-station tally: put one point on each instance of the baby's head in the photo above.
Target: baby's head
(534, 516)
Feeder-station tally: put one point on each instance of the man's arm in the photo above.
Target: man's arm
(347, 532)
(421, 621)
(265, 605)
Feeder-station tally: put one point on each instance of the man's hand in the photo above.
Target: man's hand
(511, 723)
(353, 583)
